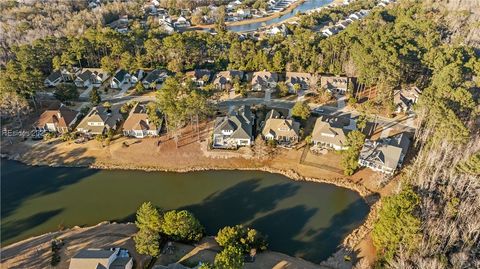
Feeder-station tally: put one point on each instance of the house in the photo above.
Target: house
(404, 99)
(264, 80)
(224, 80)
(199, 76)
(84, 78)
(384, 155)
(167, 27)
(181, 23)
(234, 130)
(99, 120)
(121, 77)
(154, 77)
(58, 120)
(343, 24)
(53, 79)
(94, 258)
(138, 124)
(303, 80)
(329, 31)
(282, 29)
(284, 131)
(334, 84)
(97, 76)
(91, 77)
(329, 132)
(136, 76)
(243, 13)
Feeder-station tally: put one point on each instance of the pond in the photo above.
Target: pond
(302, 219)
(303, 7)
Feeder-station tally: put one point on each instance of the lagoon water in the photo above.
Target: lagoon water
(305, 6)
(302, 219)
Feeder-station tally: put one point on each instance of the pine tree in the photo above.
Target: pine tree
(148, 224)
(95, 98)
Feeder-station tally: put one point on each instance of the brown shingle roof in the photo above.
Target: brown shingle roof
(62, 116)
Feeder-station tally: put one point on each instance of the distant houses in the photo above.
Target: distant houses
(200, 76)
(284, 131)
(95, 258)
(54, 79)
(154, 77)
(120, 78)
(60, 76)
(335, 84)
(100, 120)
(138, 123)
(234, 130)
(385, 155)
(91, 77)
(264, 80)
(225, 79)
(58, 120)
(303, 80)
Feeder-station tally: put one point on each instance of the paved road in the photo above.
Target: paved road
(405, 123)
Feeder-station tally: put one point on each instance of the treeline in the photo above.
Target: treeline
(433, 221)
(155, 227)
(22, 22)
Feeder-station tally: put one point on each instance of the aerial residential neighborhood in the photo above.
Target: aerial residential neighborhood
(239, 134)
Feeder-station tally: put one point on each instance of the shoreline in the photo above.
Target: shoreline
(254, 20)
(349, 243)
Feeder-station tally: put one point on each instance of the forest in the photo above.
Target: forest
(434, 220)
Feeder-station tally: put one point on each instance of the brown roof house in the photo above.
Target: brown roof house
(304, 80)
(57, 120)
(199, 76)
(334, 84)
(330, 132)
(138, 124)
(384, 155)
(284, 131)
(264, 80)
(224, 80)
(99, 120)
(93, 258)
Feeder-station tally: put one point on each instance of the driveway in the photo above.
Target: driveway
(123, 90)
(86, 93)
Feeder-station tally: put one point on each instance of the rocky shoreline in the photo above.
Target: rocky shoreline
(349, 243)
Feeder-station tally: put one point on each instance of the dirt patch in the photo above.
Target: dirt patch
(36, 252)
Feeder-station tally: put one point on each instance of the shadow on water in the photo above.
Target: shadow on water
(240, 203)
(14, 228)
(283, 226)
(18, 184)
(236, 204)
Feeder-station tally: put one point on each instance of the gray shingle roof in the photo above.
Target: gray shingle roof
(241, 123)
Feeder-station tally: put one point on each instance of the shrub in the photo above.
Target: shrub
(229, 258)
(182, 226)
(242, 237)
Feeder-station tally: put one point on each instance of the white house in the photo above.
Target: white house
(84, 79)
(53, 79)
(137, 76)
(121, 77)
(234, 130)
(94, 258)
(385, 155)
